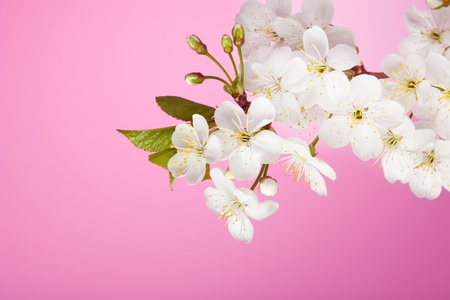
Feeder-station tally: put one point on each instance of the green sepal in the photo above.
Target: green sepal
(183, 109)
(152, 140)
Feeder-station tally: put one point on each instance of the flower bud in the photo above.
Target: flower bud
(228, 89)
(227, 43)
(194, 78)
(268, 186)
(436, 4)
(238, 34)
(196, 44)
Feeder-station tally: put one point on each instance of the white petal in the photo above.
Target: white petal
(343, 57)
(184, 136)
(322, 167)
(288, 109)
(315, 42)
(397, 165)
(386, 114)
(230, 116)
(335, 132)
(419, 140)
(282, 8)
(438, 70)
(260, 113)
(295, 77)
(366, 142)
(318, 12)
(197, 172)
(417, 20)
(221, 182)
(365, 89)
(278, 61)
(214, 198)
(392, 65)
(424, 93)
(315, 180)
(338, 89)
(424, 183)
(413, 44)
(443, 122)
(244, 165)
(441, 16)
(444, 171)
(340, 35)
(201, 127)
(241, 228)
(266, 146)
(213, 149)
(265, 210)
(443, 148)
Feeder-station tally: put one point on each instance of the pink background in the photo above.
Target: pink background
(83, 215)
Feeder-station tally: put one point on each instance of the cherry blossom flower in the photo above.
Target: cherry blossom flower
(432, 171)
(429, 33)
(237, 205)
(358, 117)
(409, 86)
(315, 13)
(321, 60)
(195, 149)
(438, 109)
(278, 75)
(401, 145)
(245, 143)
(300, 162)
(257, 19)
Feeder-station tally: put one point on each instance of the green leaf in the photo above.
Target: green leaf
(162, 158)
(152, 140)
(183, 109)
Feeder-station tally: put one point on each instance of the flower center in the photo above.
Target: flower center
(430, 161)
(244, 137)
(391, 140)
(232, 209)
(358, 115)
(435, 36)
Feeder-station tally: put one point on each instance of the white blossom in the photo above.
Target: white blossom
(278, 75)
(358, 117)
(432, 171)
(195, 148)
(408, 86)
(299, 162)
(245, 143)
(237, 205)
(321, 60)
(438, 109)
(429, 33)
(401, 145)
(257, 19)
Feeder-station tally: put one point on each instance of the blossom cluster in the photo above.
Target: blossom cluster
(302, 71)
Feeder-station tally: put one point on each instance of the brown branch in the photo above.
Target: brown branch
(361, 70)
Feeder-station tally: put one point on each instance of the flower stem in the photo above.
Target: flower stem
(234, 65)
(219, 65)
(241, 61)
(218, 78)
(312, 146)
(261, 172)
